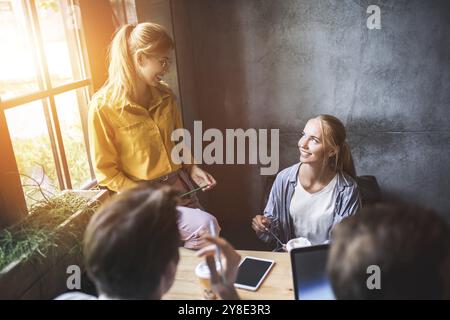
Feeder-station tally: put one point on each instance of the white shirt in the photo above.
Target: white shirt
(312, 213)
(76, 295)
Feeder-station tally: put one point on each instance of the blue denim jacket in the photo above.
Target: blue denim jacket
(347, 203)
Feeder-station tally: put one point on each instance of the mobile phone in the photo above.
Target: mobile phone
(252, 272)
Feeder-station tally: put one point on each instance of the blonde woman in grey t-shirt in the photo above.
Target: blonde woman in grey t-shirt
(310, 197)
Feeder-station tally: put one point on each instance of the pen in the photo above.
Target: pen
(212, 230)
(273, 235)
(192, 191)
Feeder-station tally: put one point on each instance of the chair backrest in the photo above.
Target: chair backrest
(369, 189)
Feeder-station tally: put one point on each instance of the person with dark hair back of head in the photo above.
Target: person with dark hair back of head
(410, 245)
(131, 246)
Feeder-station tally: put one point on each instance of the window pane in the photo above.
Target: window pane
(59, 26)
(32, 148)
(124, 12)
(119, 14)
(18, 71)
(130, 8)
(67, 106)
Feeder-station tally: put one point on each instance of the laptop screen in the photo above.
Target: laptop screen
(309, 272)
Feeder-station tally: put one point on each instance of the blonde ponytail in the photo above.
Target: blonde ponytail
(345, 161)
(334, 136)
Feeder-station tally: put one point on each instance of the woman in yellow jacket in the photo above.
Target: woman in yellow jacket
(132, 117)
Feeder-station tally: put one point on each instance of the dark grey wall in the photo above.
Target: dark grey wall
(275, 64)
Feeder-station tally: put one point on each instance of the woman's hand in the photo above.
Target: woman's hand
(222, 285)
(202, 178)
(260, 223)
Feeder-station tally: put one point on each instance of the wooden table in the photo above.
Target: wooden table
(277, 285)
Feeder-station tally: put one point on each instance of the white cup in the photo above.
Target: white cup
(297, 243)
(204, 276)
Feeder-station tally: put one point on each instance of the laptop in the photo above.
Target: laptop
(309, 273)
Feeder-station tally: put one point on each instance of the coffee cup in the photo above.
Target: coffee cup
(204, 276)
(297, 243)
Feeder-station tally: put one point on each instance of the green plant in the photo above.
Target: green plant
(39, 231)
(34, 159)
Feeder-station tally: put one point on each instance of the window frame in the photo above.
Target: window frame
(12, 193)
(47, 92)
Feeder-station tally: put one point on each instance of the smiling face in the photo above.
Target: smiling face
(152, 68)
(311, 145)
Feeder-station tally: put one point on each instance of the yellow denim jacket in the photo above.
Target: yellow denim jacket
(130, 143)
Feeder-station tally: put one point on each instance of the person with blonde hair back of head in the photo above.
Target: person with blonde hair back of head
(309, 198)
(131, 120)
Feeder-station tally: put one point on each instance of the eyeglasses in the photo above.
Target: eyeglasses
(165, 63)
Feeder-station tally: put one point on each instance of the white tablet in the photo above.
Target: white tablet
(252, 272)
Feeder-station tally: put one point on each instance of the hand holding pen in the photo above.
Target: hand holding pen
(263, 224)
(223, 283)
